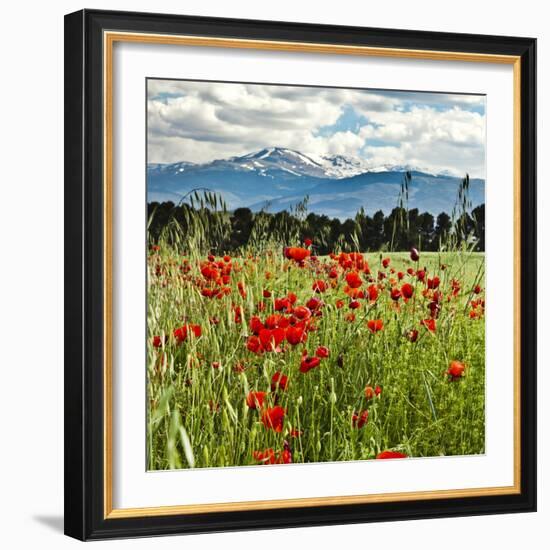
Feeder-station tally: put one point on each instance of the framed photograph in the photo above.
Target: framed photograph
(300, 274)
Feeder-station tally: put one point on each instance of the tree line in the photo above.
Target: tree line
(400, 230)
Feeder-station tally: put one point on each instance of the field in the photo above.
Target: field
(286, 357)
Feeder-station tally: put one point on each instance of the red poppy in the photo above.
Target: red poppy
(433, 283)
(319, 286)
(292, 297)
(415, 256)
(254, 345)
(359, 420)
(407, 290)
(181, 333)
(322, 352)
(297, 254)
(420, 274)
(373, 292)
(301, 312)
(308, 242)
(255, 399)
(271, 339)
(255, 324)
(157, 341)
(269, 456)
(282, 304)
(309, 363)
(410, 271)
(353, 279)
(375, 325)
(385, 262)
(354, 304)
(477, 289)
(216, 364)
(430, 324)
(227, 259)
(273, 418)
(266, 294)
(333, 274)
(456, 370)
(350, 317)
(395, 294)
(400, 275)
(279, 381)
(412, 335)
(369, 392)
(314, 303)
(390, 454)
(377, 390)
(296, 335)
(339, 304)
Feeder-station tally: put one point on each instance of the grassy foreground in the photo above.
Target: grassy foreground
(279, 358)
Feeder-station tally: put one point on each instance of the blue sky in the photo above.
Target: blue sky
(203, 121)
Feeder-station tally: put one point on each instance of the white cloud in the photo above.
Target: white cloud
(202, 121)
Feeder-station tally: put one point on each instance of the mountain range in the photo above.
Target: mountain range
(338, 186)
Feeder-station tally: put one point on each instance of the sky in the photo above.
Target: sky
(203, 121)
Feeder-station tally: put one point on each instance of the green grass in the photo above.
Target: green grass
(198, 415)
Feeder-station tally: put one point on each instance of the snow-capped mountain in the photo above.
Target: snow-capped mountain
(336, 185)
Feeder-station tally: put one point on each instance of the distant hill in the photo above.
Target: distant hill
(337, 186)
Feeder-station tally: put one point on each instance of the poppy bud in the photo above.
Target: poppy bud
(415, 256)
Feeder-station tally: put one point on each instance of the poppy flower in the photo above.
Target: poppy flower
(308, 242)
(359, 420)
(291, 297)
(477, 289)
(369, 393)
(255, 399)
(279, 381)
(375, 325)
(319, 286)
(314, 303)
(322, 352)
(385, 262)
(216, 364)
(301, 312)
(333, 274)
(307, 363)
(456, 370)
(377, 390)
(353, 279)
(410, 271)
(373, 293)
(273, 418)
(434, 282)
(415, 256)
(270, 339)
(430, 324)
(157, 341)
(255, 324)
(350, 317)
(282, 304)
(266, 294)
(421, 274)
(295, 335)
(412, 335)
(254, 345)
(227, 259)
(407, 290)
(339, 304)
(390, 454)
(395, 294)
(297, 254)
(354, 304)
(269, 456)
(400, 275)
(181, 333)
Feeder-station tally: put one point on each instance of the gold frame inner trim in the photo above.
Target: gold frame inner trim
(109, 39)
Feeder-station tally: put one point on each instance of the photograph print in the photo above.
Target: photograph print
(315, 274)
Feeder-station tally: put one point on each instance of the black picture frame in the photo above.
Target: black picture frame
(84, 282)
